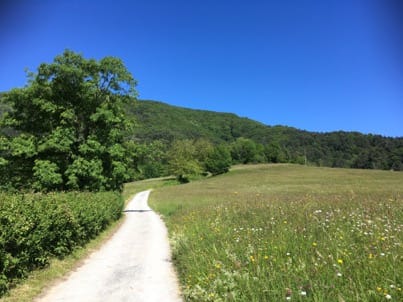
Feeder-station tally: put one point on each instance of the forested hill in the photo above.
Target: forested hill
(160, 121)
(251, 141)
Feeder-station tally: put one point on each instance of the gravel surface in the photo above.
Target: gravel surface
(134, 265)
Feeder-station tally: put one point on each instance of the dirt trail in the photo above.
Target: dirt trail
(134, 265)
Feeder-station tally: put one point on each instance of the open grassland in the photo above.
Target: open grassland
(286, 232)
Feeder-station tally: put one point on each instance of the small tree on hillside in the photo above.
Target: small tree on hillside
(70, 125)
(246, 151)
(182, 160)
(219, 160)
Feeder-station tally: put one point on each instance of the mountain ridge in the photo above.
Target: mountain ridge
(157, 120)
(163, 103)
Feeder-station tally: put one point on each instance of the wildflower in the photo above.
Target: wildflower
(370, 256)
(387, 296)
(303, 293)
(339, 274)
(340, 261)
(266, 257)
(379, 289)
(314, 244)
(288, 293)
(252, 259)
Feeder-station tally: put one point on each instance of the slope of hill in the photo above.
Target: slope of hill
(160, 121)
(156, 120)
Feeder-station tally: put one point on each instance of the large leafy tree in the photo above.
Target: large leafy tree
(70, 126)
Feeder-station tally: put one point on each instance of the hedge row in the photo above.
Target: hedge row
(36, 227)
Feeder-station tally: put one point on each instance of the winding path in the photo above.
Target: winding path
(134, 265)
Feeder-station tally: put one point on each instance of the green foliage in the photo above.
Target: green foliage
(70, 118)
(274, 153)
(280, 144)
(149, 158)
(183, 161)
(162, 123)
(46, 175)
(219, 160)
(246, 151)
(35, 227)
(188, 158)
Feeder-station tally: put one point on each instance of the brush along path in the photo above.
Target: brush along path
(134, 265)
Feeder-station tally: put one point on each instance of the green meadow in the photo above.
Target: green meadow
(287, 232)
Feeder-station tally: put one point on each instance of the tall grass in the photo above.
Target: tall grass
(284, 232)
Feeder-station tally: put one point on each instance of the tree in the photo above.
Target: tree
(219, 160)
(182, 160)
(245, 150)
(70, 125)
(150, 158)
(274, 153)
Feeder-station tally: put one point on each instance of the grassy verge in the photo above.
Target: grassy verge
(284, 232)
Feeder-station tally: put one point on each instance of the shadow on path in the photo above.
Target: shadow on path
(136, 211)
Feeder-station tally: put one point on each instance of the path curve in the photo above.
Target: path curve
(134, 265)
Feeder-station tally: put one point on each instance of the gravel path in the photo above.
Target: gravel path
(134, 265)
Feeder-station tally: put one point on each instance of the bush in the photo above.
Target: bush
(36, 227)
(219, 160)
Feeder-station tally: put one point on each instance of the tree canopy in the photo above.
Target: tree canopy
(70, 125)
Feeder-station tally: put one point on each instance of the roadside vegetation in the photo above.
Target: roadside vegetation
(286, 232)
(34, 282)
(63, 160)
(36, 228)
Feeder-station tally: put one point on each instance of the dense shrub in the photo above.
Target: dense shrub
(35, 227)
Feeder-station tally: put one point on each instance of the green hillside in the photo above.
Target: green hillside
(156, 120)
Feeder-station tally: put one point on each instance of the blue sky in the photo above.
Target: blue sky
(318, 65)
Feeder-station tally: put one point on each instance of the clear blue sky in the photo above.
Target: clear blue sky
(316, 65)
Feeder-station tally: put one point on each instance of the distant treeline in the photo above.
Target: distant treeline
(160, 129)
(248, 141)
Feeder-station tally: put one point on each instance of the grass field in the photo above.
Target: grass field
(287, 232)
